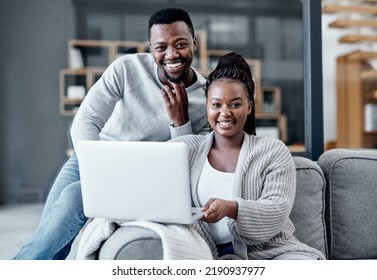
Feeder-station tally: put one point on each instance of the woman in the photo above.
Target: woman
(245, 184)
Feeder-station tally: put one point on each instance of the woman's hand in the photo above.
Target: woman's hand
(176, 101)
(216, 209)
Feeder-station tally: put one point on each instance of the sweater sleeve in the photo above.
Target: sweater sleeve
(182, 130)
(261, 219)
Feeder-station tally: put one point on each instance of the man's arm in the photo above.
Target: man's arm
(96, 108)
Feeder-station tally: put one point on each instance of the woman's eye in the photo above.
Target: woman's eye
(235, 105)
(216, 105)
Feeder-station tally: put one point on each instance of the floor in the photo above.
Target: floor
(17, 223)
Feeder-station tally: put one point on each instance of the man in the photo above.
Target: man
(143, 97)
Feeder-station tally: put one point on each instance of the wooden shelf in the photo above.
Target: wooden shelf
(297, 148)
(359, 55)
(358, 39)
(111, 47)
(370, 96)
(368, 75)
(83, 75)
(84, 71)
(201, 42)
(71, 100)
(271, 99)
(208, 66)
(81, 72)
(343, 23)
(88, 76)
(281, 123)
(363, 9)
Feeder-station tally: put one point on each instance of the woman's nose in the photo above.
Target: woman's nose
(225, 111)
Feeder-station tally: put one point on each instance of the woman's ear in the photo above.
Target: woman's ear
(250, 107)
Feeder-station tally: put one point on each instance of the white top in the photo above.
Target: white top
(216, 184)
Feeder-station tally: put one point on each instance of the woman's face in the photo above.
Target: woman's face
(228, 106)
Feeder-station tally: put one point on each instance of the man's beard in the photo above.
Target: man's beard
(174, 80)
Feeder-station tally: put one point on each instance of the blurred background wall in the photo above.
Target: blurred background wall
(34, 36)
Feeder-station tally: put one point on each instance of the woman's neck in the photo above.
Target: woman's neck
(224, 153)
(224, 143)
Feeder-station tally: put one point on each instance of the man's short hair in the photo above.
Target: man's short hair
(170, 15)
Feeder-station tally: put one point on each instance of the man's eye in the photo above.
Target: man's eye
(159, 48)
(182, 45)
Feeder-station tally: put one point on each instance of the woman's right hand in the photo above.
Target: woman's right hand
(215, 209)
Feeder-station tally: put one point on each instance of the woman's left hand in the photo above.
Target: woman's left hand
(216, 209)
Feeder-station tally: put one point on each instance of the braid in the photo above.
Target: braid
(233, 66)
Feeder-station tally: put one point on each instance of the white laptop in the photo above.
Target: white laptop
(136, 181)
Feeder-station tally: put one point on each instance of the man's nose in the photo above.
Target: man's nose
(171, 53)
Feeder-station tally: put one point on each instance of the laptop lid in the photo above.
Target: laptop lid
(136, 181)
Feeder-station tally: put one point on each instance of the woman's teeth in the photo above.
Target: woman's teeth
(226, 123)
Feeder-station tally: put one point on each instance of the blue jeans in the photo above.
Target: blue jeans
(62, 218)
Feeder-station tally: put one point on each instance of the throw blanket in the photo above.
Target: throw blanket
(179, 242)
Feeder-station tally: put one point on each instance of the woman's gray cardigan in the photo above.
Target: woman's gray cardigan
(264, 188)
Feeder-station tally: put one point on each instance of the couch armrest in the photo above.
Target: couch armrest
(132, 243)
(351, 202)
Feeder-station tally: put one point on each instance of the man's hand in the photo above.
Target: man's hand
(176, 101)
(216, 209)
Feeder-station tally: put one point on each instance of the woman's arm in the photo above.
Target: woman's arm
(263, 217)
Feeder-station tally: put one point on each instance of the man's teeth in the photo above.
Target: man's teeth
(174, 65)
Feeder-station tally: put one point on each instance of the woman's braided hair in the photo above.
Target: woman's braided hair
(233, 66)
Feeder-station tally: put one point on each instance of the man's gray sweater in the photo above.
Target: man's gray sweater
(125, 104)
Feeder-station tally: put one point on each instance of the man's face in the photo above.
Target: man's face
(172, 47)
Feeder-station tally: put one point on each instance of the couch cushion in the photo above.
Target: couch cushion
(351, 198)
(308, 212)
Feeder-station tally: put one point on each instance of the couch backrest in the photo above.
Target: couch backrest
(351, 202)
(308, 212)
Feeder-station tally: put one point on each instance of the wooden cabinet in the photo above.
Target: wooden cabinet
(87, 60)
(356, 100)
(268, 113)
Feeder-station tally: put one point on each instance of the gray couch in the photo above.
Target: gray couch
(335, 210)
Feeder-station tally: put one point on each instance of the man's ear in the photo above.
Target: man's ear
(195, 43)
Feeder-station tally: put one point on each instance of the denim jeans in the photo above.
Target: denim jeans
(62, 218)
